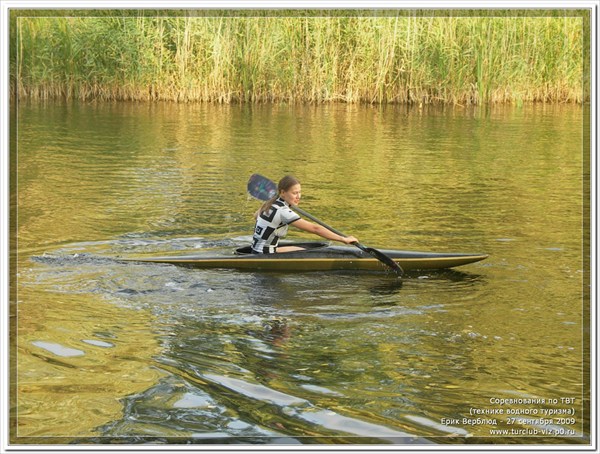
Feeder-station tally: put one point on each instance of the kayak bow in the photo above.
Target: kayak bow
(317, 256)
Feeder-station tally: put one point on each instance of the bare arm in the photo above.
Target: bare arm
(322, 231)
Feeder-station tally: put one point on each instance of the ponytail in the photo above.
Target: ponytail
(266, 206)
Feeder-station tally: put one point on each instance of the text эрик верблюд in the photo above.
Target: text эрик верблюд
(522, 417)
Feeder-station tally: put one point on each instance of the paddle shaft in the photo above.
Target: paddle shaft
(374, 252)
(321, 223)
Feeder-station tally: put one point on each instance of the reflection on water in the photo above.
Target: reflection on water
(108, 351)
(72, 366)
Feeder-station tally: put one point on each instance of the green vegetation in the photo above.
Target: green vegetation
(387, 58)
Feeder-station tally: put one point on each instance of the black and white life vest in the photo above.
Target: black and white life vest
(271, 226)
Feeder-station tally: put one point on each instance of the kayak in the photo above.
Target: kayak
(316, 256)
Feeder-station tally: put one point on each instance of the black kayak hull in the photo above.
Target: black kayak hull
(317, 257)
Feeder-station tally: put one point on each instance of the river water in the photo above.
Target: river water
(106, 351)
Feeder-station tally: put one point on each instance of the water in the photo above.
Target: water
(108, 351)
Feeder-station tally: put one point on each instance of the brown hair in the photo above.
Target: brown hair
(284, 185)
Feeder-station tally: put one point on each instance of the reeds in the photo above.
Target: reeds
(378, 59)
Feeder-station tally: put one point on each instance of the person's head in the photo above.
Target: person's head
(289, 189)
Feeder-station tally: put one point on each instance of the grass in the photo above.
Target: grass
(386, 58)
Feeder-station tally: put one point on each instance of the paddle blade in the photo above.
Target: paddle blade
(261, 188)
(386, 260)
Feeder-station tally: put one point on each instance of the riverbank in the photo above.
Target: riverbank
(378, 59)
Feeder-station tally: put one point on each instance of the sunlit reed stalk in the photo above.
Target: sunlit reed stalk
(383, 59)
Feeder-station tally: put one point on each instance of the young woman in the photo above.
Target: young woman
(274, 217)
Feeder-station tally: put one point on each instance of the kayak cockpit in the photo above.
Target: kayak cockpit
(247, 250)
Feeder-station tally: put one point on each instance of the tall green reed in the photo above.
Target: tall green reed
(399, 58)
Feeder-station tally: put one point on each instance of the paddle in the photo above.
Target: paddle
(263, 189)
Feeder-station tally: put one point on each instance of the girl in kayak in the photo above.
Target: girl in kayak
(274, 217)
